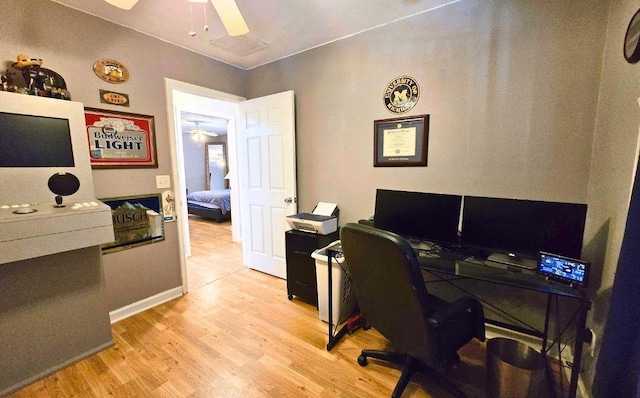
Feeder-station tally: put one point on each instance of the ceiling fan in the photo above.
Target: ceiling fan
(227, 10)
(198, 133)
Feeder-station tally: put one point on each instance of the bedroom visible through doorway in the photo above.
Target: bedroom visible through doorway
(209, 116)
(212, 253)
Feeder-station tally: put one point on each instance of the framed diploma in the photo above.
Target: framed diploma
(401, 141)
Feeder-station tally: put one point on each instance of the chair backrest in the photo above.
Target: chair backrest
(390, 288)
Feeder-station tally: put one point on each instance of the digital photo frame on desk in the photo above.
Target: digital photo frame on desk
(563, 269)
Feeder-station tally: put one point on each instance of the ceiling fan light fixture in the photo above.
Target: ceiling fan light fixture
(199, 134)
(231, 17)
(124, 4)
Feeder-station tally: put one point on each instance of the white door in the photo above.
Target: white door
(267, 169)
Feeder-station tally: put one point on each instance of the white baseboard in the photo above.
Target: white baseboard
(145, 304)
(496, 331)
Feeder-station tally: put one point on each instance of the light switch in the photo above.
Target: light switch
(163, 182)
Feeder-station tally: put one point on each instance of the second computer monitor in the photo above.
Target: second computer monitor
(523, 227)
(425, 216)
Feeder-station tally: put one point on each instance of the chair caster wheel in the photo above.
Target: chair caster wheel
(362, 360)
(290, 296)
(451, 363)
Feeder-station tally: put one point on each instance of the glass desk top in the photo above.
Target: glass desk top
(464, 266)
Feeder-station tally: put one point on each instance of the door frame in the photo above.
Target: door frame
(172, 87)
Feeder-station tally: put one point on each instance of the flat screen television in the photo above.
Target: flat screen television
(523, 228)
(423, 216)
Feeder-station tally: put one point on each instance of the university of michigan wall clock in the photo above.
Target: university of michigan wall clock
(401, 94)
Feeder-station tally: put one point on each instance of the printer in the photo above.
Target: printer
(322, 220)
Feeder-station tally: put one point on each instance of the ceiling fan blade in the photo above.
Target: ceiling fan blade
(231, 17)
(124, 4)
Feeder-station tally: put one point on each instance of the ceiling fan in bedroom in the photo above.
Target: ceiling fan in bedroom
(199, 133)
(227, 10)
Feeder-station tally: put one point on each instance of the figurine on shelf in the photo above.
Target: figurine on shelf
(7, 83)
(41, 81)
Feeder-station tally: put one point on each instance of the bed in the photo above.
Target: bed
(215, 204)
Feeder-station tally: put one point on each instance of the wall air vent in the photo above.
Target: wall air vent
(239, 45)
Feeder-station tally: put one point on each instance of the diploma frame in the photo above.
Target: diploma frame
(401, 142)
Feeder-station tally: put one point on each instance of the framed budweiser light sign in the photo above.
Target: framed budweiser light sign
(120, 140)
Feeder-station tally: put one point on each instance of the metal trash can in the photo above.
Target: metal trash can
(513, 369)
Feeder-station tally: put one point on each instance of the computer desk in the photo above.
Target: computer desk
(451, 267)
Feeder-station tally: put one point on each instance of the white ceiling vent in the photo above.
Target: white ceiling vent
(239, 45)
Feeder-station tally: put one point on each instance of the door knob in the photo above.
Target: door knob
(289, 200)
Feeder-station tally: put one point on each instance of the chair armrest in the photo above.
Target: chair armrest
(464, 304)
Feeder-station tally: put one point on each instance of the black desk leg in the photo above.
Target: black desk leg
(581, 321)
(333, 339)
(545, 335)
(330, 296)
(551, 385)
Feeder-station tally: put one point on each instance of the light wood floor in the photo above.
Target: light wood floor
(213, 253)
(239, 336)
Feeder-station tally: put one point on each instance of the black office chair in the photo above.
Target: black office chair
(426, 331)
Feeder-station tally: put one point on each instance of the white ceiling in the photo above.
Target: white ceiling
(287, 27)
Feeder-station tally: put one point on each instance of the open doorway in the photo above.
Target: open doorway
(198, 117)
(213, 254)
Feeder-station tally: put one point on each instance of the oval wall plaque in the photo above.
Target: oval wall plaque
(111, 71)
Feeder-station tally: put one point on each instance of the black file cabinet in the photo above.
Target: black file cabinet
(301, 267)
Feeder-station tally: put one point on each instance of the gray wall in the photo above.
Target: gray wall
(70, 42)
(513, 89)
(612, 169)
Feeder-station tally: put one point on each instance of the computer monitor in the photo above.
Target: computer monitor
(424, 216)
(523, 227)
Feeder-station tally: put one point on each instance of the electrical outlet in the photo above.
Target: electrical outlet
(163, 181)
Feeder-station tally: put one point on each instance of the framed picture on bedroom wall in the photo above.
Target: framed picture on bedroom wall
(120, 140)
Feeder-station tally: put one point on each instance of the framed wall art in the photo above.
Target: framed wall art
(137, 220)
(120, 140)
(402, 141)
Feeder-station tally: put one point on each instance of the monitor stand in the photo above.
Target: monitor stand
(516, 261)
